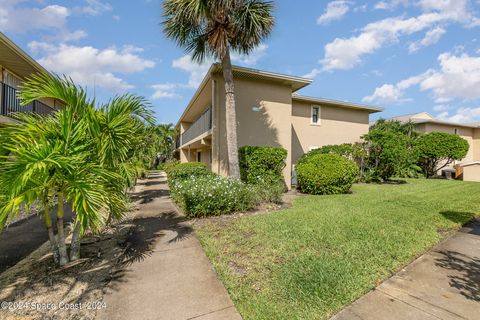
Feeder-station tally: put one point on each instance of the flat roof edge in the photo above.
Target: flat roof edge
(347, 104)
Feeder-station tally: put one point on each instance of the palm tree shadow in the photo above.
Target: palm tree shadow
(148, 231)
(467, 276)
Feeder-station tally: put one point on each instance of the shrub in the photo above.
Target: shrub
(269, 192)
(167, 165)
(344, 149)
(261, 164)
(436, 150)
(391, 151)
(326, 174)
(188, 170)
(203, 196)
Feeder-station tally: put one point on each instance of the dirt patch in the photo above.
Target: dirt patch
(36, 289)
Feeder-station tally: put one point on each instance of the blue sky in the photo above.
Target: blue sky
(404, 55)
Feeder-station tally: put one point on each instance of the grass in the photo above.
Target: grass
(310, 261)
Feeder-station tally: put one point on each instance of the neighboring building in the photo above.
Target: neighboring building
(15, 67)
(269, 113)
(425, 122)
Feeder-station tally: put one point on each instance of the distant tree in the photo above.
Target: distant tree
(436, 150)
(214, 28)
(166, 144)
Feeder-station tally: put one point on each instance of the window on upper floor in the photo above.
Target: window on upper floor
(315, 115)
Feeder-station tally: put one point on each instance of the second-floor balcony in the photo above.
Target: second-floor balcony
(11, 104)
(202, 125)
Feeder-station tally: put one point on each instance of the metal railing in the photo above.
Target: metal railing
(10, 103)
(200, 126)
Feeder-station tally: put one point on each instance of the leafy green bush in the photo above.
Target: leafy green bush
(261, 164)
(326, 174)
(269, 192)
(187, 170)
(345, 149)
(391, 151)
(167, 165)
(204, 196)
(436, 150)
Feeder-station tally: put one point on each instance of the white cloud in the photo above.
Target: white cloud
(388, 93)
(431, 37)
(91, 66)
(458, 77)
(346, 53)
(393, 93)
(197, 71)
(94, 7)
(389, 5)
(251, 59)
(164, 90)
(461, 115)
(22, 19)
(440, 108)
(335, 10)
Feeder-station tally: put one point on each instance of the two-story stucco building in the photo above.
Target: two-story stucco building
(269, 113)
(15, 67)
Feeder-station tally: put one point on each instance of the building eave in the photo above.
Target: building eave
(337, 103)
(296, 83)
(17, 51)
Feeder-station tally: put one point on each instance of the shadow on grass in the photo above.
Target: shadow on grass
(458, 216)
(467, 276)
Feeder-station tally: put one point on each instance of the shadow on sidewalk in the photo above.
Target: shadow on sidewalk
(141, 243)
(467, 277)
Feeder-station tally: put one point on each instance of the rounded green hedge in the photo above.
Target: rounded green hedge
(326, 174)
(188, 170)
(261, 164)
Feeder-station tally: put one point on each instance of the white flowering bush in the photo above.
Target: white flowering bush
(205, 196)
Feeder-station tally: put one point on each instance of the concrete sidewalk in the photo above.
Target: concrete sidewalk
(442, 284)
(166, 275)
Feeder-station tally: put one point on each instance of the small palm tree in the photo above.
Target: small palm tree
(214, 28)
(166, 144)
(81, 155)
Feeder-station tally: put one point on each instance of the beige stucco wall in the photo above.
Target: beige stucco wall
(471, 173)
(337, 125)
(263, 112)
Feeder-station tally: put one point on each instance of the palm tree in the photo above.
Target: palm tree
(214, 28)
(166, 133)
(81, 155)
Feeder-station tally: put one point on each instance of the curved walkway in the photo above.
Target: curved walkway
(168, 275)
(444, 283)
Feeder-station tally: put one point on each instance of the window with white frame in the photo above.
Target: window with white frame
(315, 115)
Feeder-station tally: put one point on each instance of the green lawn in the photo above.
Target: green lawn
(310, 261)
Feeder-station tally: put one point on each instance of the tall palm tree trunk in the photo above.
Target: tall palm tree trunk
(231, 118)
(75, 246)
(62, 248)
(51, 235)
